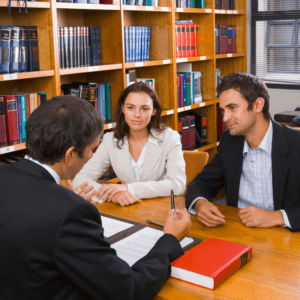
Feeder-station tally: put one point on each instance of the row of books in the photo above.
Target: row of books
(225, 36)
(137, 43)
(15, 108)
(141, 2)
(192, 129)
(224, 4)
(131, 79)
(97, 93)
(79, 46)
(190, 3)
(187, 38)
(88, 1)
(19, 50)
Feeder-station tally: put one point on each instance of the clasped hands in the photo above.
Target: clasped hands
(116, 193)
(209, 215)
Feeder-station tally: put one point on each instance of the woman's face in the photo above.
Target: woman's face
(138, 110)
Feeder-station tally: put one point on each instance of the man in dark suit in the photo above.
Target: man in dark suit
(258, 162)
(52, 242)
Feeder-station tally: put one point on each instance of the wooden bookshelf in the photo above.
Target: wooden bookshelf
(49, 15)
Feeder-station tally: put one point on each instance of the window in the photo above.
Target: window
(275, 42)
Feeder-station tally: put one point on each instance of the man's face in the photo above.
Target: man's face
(79, 162)
(238, 119)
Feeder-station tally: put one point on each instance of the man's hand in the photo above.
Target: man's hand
(84, 190)
(108, 191)
(208, 214)
(257, 217)
(180, 227)
(125, 198)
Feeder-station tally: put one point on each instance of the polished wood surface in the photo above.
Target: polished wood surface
(273, 273)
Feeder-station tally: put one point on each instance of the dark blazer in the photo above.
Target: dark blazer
(226, 167)
(52, 245)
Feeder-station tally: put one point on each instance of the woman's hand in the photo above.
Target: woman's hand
(125, 198)
(108, 191)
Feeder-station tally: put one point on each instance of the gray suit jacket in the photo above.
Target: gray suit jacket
(163, 168)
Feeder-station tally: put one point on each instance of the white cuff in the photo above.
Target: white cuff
(286, 219)
(130, 189)
(191, 209)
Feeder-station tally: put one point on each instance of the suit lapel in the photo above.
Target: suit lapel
(235, 163)
(124, 162)
(152, 156)
(280, 165)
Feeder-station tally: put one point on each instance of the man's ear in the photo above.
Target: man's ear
(69, 156)
(259, 104)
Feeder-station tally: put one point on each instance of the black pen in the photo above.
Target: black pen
(173, 204)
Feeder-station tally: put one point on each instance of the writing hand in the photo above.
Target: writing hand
(125, 198)
(84, 190)
(208, 214)
(179, 227)
(107, 191)
(257, 217)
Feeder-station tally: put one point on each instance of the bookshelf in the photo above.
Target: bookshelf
(49, 15)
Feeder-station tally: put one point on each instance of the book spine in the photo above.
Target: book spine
(5, 33)
(181, 90)
(107, 101)
(126, 43)
(78, 43)
(82, 62)
(24, 116)
(184, 89)
(133, 44)
(10, 102)
(183, 40)
(192, 131)
(23, 54)
(75, 63)
(225, 4)
(218, 4)
(59, 47)
(140, 43)
(217, 39)
(62, 46)
(222, 38)
(196, 31)
(178, 41)
(185, 133)
(148, 42)
(3, 137)
(192, 37)
(92, 38)
(88, 45)
(229, 39)
(19, 118)
(14, 49)
(28, 109)
(102, 101)
(66, 47)
(98, 43)
(33, 49)
(188, 88)
(144, 43)
(71, 51)
(92, 93)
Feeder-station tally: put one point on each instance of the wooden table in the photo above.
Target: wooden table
(273, 273)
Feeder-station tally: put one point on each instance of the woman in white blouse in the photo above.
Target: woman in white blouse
(145, 155)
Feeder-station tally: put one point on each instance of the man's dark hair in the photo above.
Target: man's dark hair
(249, 86)
(122, 129)
(58, 124)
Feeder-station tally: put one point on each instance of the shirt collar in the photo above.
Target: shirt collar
(49, 169)
(265, 144)
(151, 139)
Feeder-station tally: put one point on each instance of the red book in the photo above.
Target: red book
(192, 32)
(178, 42)
(10, 102)
(196, 32)
(188, 39)
(223, 38)
(106, 1)
(28, 109)
(185, 132)
(3, 137)
(230, 39)
(183, 40)
(211, 262)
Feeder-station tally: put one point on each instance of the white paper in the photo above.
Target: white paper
(137, 245)
(113, 226)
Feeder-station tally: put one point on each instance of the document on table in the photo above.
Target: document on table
(113, 226)
(138, 244)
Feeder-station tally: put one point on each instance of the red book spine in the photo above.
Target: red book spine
(178, 42)
(10, 102)
(183, 40)
(188, 39)
(106, 1)
(196, 32)
(3, 137)
(223, 39)
(28, 109)
(204, 123)
(230, 39)
(192, 29)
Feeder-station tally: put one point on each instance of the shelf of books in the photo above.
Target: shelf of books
(95, 48)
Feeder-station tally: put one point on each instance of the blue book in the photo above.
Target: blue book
(14, 49)
(5, 34)
(178, 90)
(93, 48)
(93, 1)
(144, 42)
(133, 44)
(33, 49)
(126, 44)
(23, 116)
(101, 101)
(107, 102)
(217, 39)
(79, 1)
(183, 87)
(140, 42)
(137, 43)
(98, 44)
(130, 43)
(148, 42)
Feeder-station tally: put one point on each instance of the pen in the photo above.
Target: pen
(173, 204)
(156, 223)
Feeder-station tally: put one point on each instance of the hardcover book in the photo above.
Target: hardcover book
(5, 35)
(225, 4)
(33, 49)
(3, 137)
(10, 104)
(23, 51)
(14, 49)
(211, 262)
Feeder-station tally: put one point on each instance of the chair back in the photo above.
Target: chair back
(194, 163)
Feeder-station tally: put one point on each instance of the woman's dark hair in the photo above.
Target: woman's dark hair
(249, 86)
(58, 124)
(122, 128)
